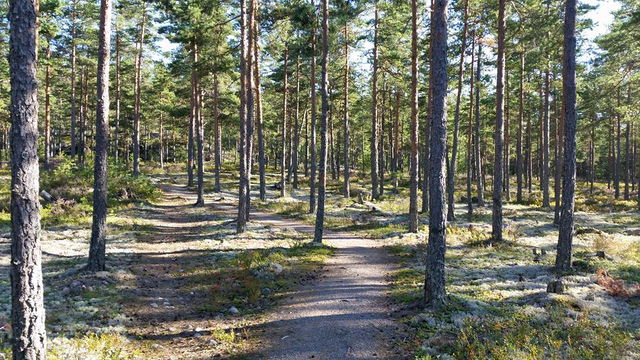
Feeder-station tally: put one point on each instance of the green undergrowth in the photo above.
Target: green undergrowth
(479, 322)
(95, 346)
(252, 277)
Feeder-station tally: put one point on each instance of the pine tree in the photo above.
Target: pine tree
(27, 307)
(99, 225)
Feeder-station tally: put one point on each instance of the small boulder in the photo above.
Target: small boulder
(277, 268)
(556, 287)
(234, 310)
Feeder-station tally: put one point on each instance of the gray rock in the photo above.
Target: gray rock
(276, 268)
(234, 310)
(556, 287)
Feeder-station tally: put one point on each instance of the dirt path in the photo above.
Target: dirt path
(343, 314)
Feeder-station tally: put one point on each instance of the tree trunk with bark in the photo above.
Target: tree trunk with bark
(314, 113)
(435, 293)
(375, 167)
(99, 226)
(324, 86)
(27, 306)
(563, 258)
(498, 171)
(413, 166)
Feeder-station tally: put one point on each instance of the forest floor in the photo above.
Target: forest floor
(181, 285)
(498, 304)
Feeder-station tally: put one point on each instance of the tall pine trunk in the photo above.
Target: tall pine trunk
(312, 180)
(324, 92)
(498, 170)
(375, 166)
(565, 236)
(27, 307)
(99, 225)
(435, 293)
(413, 166)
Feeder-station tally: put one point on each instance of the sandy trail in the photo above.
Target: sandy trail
(344, 314)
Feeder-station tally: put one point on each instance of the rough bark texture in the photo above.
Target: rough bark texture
(241, 223)
(565, 236)
(314, 115)
(413, 166)
(99, 225)
(324, 92)
(451, 178)
(296, 129)
(498, 171)
(435, 294)
(374, 111)
(27, 310)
